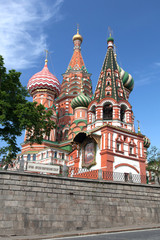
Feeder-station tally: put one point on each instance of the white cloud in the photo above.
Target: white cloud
(22, 30)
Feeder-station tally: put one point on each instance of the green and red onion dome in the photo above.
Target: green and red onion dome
(146, 142)
(127, 79)
(80, 101)
(110, 39)
(44, 80)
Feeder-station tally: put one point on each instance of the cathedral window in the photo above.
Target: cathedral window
(65, 134)
(93, 114)
(41, 99)
(34, 157)
(122, 113)
(107, 111)
(108, 83)
(108, 93)
(55, 154)
(28, 157)
(61, 135)
(132, 148)
(119, 144)
(62, 155)
(118, 147)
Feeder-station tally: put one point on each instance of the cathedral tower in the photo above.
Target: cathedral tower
(110, 104)
(71, 87)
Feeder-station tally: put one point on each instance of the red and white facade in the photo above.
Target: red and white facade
(93, 131)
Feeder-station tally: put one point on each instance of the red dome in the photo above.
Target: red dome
(44, 80)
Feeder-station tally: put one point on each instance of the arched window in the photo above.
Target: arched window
(61, 135)
(107, 111)
(41, 98)
(28, 157)
(93, 109)
(34, 157)
(66, 134)
(122, 113)
(55, 154)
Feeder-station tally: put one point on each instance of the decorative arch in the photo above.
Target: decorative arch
(126, 164)
(104, 101)
(92, 104)
(125, 104)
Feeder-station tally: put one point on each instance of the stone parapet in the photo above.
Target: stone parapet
(40, 204)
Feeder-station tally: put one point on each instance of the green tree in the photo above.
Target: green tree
(17, 114)
(153, 166)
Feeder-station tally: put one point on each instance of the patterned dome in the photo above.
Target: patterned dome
(127, 79)
(146, 142)
(80, 101)
(44, 80)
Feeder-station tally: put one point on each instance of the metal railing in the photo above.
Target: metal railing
(105, 175)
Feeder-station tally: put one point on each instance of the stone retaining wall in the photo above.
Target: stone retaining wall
(34, 204)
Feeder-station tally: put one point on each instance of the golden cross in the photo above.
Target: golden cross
(77, 28)
(46, 52)
(110, 31)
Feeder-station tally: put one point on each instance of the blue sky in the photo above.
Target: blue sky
(29, 27)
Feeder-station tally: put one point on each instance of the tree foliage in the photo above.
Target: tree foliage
(17, 114)
(153, 166)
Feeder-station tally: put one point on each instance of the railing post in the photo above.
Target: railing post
(130, 178)
(21, 166)
(100, 177)
(65, 170)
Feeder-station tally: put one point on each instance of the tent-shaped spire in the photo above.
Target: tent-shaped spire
(110, 83)
(71, 84)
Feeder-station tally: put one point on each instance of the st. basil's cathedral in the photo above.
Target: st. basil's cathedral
(93, 130)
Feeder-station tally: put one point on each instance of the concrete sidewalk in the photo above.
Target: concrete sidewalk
(81, 233)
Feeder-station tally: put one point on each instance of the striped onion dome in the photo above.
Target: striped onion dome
(44, 80)
(80, 101)
(127, 79)
(146, 142)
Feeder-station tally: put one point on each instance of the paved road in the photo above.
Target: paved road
(132, 235)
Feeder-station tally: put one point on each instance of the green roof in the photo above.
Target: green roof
(110, 39)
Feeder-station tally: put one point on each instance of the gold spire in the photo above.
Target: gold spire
(77, 36)
(139, 130)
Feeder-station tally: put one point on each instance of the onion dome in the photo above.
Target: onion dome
(77, 36)
(110, 39)
(80, 101)
(44, 80)
(127, 79)
(146, 142)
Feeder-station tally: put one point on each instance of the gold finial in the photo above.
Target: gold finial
(110, 31)
(77, 28)
(46, 60)
(139, 130)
